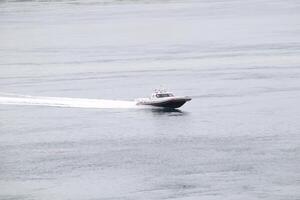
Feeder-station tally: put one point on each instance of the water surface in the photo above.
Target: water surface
(237, 139)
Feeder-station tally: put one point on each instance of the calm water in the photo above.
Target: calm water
(237, 139)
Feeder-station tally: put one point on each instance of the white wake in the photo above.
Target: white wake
(64, 102)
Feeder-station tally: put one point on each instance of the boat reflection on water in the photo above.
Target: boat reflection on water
(167, 111)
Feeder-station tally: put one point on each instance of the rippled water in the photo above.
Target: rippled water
(237, 139)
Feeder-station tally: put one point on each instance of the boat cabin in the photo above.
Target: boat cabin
(162, 95)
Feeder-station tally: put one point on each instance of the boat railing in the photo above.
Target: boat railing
(157, 91)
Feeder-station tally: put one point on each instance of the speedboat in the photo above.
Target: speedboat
(164, 99)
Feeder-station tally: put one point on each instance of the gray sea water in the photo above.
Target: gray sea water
(69, 71)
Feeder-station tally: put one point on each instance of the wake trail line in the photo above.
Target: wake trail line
(9, 99)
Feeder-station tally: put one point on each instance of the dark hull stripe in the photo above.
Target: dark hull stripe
(168, 104)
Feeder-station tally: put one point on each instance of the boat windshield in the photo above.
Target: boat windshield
(164, 95)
